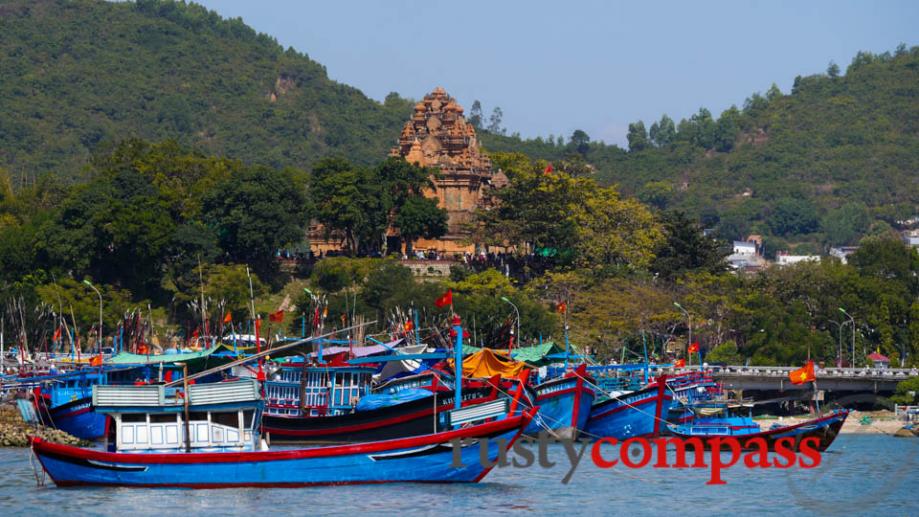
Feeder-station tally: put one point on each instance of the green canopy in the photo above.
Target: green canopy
(534, 355)
(194, 360)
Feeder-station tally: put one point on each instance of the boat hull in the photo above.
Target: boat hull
(564, 407)
(427, 458)
(77, 419)
(825, 429)
(413, 418)
(636, 414)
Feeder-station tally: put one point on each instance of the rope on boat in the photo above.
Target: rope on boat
(38, 472)
(264, 353)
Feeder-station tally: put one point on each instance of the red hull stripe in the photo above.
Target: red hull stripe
(559, 393)
(499, 426)
(74, 413)
(357, 427)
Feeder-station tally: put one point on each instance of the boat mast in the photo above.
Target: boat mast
(457, 362)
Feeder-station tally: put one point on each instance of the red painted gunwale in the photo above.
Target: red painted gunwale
(518, 422)
(361, 427)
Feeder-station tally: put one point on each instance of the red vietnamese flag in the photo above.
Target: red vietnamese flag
(408, 326)
(802, 375)
(228, 318)
(548, 170)
(680, 363)
(446, 299)
(195, 334)
(561, 308)
(694, 348)
(57, 335)
(276, 317)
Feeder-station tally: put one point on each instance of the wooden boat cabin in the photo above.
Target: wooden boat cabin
(303, 390)
(222, 416)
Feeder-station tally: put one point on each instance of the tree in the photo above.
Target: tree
(887, 258)
(580, 142)
(663, 133)
(727, 129)
(256, 212)
(116, 229)
(475, 115)
(656, 193)
(832, 70)
(725, 353)
(346, 200)
(773, 92)
(686, 249)
(535, 208)
(494, 121)
(420, 217)
(70, 298)
(637, 136)
(612, 231)
(792, 216)
(702, 129)
(845, 224)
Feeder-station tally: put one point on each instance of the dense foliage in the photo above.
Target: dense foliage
(825, 164)
(82, 74)
(181, 229)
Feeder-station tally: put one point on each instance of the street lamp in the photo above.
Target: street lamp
(839, 347)
(689, 318)
(853, 333)
(506, 300)
(90, 284)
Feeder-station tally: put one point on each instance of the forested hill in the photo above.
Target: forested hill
(832, 160)
(77, 75)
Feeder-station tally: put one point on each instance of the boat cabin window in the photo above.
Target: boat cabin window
(197, 415)
(227, 419)
(207, 430)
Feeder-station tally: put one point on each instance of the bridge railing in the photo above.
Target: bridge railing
(849, 373)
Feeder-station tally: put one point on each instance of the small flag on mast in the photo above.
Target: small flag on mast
(446, 299)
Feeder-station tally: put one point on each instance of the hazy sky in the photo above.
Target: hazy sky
(556, 66)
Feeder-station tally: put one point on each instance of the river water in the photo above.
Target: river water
(860, 475)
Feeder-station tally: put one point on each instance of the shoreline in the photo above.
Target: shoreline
(882, 422)
(15, 432)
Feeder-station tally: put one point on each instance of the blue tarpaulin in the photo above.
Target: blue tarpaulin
(379, 400)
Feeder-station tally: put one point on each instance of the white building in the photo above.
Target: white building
(784, 259)
(843, 252)
(744, 248)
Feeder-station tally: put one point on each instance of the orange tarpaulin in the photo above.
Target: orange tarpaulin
(488, 363)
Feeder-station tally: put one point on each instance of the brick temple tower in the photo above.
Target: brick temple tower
(439, 136)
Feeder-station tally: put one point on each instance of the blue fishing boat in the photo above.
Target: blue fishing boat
(207, 436)
(64, 400)
(721, 419)
(67, 405)
(631, 414)
(225, 459)
(688, 389)
(564, 404)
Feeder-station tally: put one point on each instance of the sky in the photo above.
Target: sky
(556, 66)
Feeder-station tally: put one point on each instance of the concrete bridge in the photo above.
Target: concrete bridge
(839, 381)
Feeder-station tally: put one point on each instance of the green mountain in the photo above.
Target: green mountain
(834, 159)
(77, 75)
